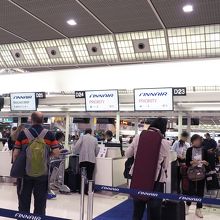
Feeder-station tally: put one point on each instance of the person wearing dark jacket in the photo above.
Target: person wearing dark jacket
(196, 156)
(210, 146)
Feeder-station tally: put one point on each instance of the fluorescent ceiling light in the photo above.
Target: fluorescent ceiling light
(187, 8)
(71, 22)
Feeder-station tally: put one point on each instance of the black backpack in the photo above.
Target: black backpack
(128, 164)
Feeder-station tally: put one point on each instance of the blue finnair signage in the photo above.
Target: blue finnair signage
(142, 194)
(7, 213)
(153, 99)
(27, 216)
(106, 100)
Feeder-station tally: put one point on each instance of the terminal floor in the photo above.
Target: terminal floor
(67, 206)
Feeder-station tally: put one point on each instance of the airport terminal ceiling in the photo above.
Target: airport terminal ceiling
(62, 34)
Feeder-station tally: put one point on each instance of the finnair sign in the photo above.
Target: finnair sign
(23, 101)
(154, 99)
(106, 100)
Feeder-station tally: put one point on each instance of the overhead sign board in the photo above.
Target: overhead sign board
(106, 100)
(153, 99)
(23, 101)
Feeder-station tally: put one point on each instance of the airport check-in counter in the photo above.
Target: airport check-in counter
(110, 167)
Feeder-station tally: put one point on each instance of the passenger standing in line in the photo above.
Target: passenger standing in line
(15, 131)
(196, 156)
(153, 205)
(180, 147)
(210, 146)
(87, 148)
(28, 184)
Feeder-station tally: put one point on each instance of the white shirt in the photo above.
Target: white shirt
(181, 150)
(164, 156)
(87, 148)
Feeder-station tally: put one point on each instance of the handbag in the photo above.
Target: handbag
(18, 169)
(196, 173)
(212, 182)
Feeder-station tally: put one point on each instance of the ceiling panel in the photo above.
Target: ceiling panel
(106, 44)
(27, 55)
(19, 22)
(205, 12)
(57, 12)
(157, 45)
(6, 38)
(124, 15)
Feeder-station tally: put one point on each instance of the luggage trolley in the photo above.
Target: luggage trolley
(56, 175)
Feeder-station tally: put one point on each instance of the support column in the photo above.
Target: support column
(189, 124)
(67, 130)
(93, 122)
(180, 124)
(19, 120)
(118, 126)
(136, 125)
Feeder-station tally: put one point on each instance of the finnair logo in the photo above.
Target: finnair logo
(25, 216)
(193, 199)
(141, 193)
(113, 189)
(105, 95)
(144, 94)
(23, 97)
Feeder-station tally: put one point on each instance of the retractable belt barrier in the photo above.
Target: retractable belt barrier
(18, 215)
(135, 192)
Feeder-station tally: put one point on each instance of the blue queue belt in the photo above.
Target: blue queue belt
(135, 192)
(18, 215)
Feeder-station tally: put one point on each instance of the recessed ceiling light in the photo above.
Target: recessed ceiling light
(71, 22)
(187, 8)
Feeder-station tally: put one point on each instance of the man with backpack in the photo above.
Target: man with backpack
(38, 144)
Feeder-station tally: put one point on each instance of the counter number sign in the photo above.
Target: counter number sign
(179, 91)
(79, 94)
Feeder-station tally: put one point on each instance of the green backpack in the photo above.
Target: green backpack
(37, 154)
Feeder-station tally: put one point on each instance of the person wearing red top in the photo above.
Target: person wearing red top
(37, 185)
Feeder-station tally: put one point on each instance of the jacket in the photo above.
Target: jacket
(189, 156)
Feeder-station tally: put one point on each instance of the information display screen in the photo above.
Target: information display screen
(106, 100)
(23, 101)
(154, 99)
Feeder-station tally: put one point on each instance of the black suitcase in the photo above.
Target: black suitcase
(74, 164)
(173, 210)
(72, 180)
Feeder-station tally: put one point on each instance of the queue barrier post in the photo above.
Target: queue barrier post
(82, 199)
(90, 200)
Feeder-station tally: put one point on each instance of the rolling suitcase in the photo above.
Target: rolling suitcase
(173, 210)
(74, 164)
(72, 180)
(146, 161)
(72, 174)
